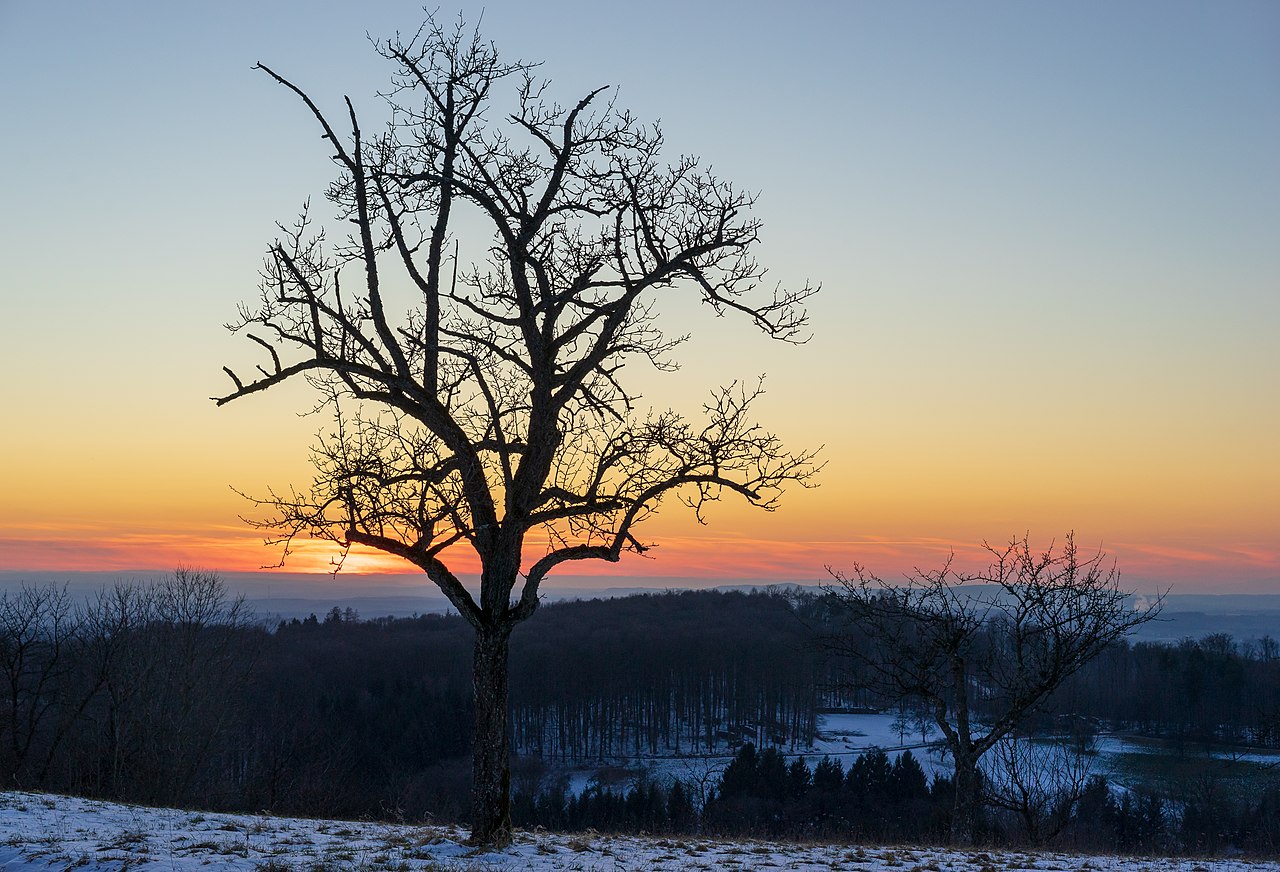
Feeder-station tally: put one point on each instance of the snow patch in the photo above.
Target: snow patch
(46, 832)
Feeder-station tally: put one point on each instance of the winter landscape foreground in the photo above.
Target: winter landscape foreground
(44, 831)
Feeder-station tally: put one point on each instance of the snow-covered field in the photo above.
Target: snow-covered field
(840, 736)
(45, 832)
(844, 737)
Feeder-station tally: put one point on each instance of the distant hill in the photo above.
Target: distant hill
(1243, 616)
(279, 596)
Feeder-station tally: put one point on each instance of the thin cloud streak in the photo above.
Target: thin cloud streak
(720, 557)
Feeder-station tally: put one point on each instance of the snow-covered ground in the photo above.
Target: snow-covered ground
(1112, 746)
(45, 832)
(845, 737)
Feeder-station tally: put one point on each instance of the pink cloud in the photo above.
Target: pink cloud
(714, 556)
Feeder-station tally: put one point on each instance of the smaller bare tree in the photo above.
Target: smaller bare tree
(1039, 782)
(171, 656)
(981, 650)
(39, 633)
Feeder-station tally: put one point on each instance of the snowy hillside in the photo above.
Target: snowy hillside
(45, 832)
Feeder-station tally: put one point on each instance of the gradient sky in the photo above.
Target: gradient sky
(1048, 235)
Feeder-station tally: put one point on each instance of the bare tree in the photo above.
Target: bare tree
(490, 414)
(40, 636)
(1000, 640)
(171, 657)
(1039, 782)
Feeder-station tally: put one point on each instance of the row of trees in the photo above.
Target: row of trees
(130, 694)
(763, 794)
(657, 675)
(171, 694)
(1209, 689)
(876, 800)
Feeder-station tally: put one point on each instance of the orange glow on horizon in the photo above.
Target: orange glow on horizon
(716, 556)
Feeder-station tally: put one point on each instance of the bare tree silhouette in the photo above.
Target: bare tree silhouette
(1007, 636)
(491, 414)
(1039, 782)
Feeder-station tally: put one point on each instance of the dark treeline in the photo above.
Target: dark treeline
(654, 675)
(1176, 821)
(135, 694)
(875, 801)
(1209, 689)
(174, 694)
(762, 793)
(1212, 689)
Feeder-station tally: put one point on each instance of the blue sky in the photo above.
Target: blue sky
(1048, 234)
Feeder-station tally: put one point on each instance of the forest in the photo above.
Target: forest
(174, 694)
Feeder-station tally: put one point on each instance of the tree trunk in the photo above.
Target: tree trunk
(965, 813)
(491, 765)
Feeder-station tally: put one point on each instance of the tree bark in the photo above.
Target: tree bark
(965, 812)
(491, 765)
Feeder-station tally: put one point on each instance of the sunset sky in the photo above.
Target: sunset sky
(1048, 236)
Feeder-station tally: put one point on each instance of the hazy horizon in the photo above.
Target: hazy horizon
(272, 597)
(317, 585)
